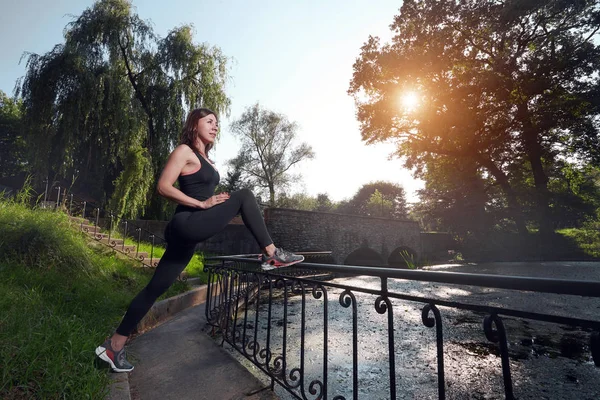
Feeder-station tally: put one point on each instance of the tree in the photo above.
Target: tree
(505, 85)
(12, 143)
(112, 90)
(456, 199)
(297, 201)
(378, 199)
(576, 197)
(378, 205)
(324, 203)
(267, 151)
(234, 179)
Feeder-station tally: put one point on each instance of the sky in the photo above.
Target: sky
(293, 57)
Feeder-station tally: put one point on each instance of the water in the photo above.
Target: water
(548, 361)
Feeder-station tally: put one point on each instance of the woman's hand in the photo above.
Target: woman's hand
(214, 200)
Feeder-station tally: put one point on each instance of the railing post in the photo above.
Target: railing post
(139, 231)
(124, 235)
(57, 196)
(110, 216)
(46, 191)
(383, 305)
(595, 347)
(498, 335)
(152, 249)
(97, 220)
(439, 335)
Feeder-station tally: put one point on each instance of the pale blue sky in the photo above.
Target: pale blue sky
(294, 57)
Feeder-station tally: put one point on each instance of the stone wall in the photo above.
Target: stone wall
(299, 230)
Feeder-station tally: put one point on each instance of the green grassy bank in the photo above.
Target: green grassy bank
(59, 298)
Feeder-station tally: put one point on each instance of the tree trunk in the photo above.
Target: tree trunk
(143, 101)
(511, 196)
(534, 155)
(271, 195)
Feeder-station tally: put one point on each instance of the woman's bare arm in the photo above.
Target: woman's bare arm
(175, 164)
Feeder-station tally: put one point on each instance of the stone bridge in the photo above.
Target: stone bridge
(352, 239)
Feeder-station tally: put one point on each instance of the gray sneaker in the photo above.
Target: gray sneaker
(117, 360)
(281, 258)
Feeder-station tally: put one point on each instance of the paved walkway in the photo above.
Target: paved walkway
(178, 360)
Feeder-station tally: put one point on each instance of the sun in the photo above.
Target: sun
(409, 100)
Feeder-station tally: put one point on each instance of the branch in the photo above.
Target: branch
(283, 171)
(250, 172)
(472, 42)
(138, 93)
(282, 153)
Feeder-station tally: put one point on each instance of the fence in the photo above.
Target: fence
(380, 333)
(105, 227)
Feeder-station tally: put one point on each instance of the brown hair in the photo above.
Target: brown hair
(189, 133)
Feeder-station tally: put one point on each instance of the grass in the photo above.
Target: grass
(195, 268)
(408, 259)
(59, 298)
(587, 239)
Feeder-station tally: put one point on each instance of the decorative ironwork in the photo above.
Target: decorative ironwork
(281, 322)
(498, 335)
(439, 336)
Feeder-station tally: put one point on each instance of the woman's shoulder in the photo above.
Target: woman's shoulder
(184, 147)
(183, 150)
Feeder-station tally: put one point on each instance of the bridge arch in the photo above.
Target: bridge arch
(396, 258)
(364, 256)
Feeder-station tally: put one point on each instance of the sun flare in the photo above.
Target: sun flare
(409, 100)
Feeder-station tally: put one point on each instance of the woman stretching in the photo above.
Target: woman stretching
(199, 215)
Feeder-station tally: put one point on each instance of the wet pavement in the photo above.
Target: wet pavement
(547, 360)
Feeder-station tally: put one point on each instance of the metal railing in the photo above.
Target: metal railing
(95, 219)
(324, 339)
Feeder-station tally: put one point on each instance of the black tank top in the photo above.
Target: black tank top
(200, 185)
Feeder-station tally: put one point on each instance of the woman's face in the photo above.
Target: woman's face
(207, 129)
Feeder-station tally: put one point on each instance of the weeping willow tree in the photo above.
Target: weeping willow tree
(109, 103)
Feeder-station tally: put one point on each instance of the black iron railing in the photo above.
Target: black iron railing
(323, 339)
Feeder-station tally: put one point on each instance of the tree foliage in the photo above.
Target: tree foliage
(378, 205)
(377, 199)
(508, 87)
(111, 87)
(12, 142)
(267, 148)
(456, 196)
(235, 179)
(324, 203)
(133, 184)
(297, 201)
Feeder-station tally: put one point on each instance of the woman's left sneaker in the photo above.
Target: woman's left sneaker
(117, 360)
(281, 258)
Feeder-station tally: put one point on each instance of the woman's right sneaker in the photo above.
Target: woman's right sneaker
(281, 258)
(116, 359)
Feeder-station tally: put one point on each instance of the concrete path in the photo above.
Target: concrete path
(178, 360)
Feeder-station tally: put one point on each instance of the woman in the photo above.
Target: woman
(199, 215)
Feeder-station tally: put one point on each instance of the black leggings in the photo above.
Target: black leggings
(186, 229)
